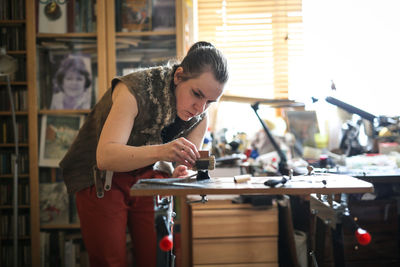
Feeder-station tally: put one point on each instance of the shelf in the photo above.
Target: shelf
(12, 145)
(59, 226)
(12, 22)
(8, 176)
(6, 207)
(10, 237)
(72, 35)
(64, 111)
(148, 33)
(8, 113)
(14, 83)
(16, 52)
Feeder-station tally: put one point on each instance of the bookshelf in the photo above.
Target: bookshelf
(96, 35)
(13, 26)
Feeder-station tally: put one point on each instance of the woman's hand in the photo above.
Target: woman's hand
(181, 171)
(181, 151)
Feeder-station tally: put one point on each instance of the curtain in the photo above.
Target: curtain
(262, 40)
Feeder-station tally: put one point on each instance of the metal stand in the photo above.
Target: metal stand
(282, 165)
(336, 216)
(163, 216)
(8, 66)
(14, 160)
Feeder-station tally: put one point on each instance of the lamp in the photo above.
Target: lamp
(8, 66)
(276, 103)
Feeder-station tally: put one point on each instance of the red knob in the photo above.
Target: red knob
(166, 243)
(363, 237)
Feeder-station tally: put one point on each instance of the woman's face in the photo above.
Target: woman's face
(73, 83)
(194, 96)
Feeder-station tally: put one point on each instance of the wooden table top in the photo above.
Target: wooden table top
(298, 185)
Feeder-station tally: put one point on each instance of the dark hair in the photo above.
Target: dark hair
(202, 57)
(74, 63)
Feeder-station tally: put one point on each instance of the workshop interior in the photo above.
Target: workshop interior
(300, 163)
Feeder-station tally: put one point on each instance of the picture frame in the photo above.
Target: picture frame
(56, 136)
(52, 22)
(71, 80)
(54, 203)
(136, 15)
(303, 125)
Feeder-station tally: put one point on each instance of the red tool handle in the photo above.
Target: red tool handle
(166, 243)
(363, 237)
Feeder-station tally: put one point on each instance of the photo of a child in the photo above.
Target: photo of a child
(72, 83)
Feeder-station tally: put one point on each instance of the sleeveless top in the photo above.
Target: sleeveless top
(154, 124)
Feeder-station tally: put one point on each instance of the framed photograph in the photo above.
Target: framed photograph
(136, 15)
(71, 81)
(304, 126)
(54, 203)
(56, 136)
(52, 17)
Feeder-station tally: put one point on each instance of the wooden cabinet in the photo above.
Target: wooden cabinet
(233, 234)
(77, 28)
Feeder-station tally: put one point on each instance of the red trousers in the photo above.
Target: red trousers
(104, 222)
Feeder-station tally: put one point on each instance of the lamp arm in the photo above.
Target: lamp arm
(283, 168)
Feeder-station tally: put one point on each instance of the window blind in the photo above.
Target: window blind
(262, 40)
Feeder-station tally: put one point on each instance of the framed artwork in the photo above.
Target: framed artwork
(71, 81)
(304, 126)
(136, 15)
(56, 136)
(52, 17)
(65, 79)
(54, 203)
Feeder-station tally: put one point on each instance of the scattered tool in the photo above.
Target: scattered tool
(241, 178)
(275, 181)
(169, 182)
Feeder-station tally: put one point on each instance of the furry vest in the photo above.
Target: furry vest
(154, 92)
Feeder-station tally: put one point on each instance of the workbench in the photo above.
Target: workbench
(326, 184)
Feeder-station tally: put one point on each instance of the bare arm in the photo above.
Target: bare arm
(114, 154)
(197, 135)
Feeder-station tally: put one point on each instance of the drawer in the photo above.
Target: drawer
(235, 250)
(234, 222)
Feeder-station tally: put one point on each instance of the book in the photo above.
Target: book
(136, 15)
(53, 203)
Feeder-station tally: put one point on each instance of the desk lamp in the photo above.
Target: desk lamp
(276, 103)
(8, 66)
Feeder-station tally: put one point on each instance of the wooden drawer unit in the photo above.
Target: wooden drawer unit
(234, 234)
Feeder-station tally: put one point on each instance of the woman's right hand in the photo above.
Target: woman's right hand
(181, 151)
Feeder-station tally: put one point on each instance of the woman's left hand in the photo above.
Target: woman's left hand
(180, 171)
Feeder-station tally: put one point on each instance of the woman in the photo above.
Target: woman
(71, 85)
(148, 117)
